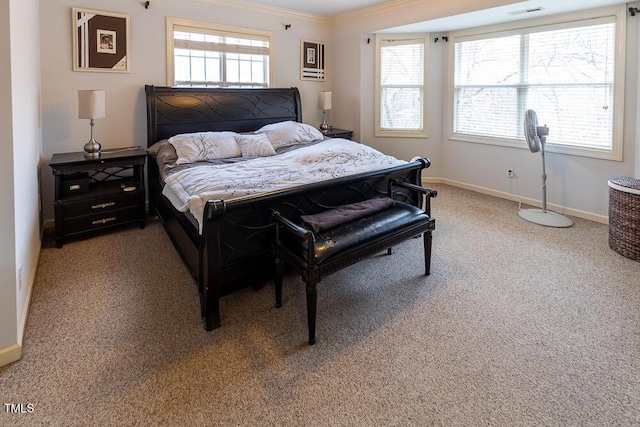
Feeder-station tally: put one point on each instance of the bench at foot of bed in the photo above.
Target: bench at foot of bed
(316, 254)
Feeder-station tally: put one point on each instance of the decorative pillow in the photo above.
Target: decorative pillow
(203, 146)
(165, 156)
(257, 145)
(163, 152)
(287, 133)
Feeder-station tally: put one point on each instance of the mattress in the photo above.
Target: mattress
(189, 189)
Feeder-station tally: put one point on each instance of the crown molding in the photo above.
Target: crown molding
(358, 14)
(243, 4)
(376, 10)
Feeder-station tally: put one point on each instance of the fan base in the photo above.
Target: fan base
(547, 218)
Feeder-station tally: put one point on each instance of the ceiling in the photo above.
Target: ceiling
(335, 8)
(513, 12)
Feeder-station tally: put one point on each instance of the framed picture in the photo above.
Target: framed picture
(100, 41)
(107, 42)
(312, 60)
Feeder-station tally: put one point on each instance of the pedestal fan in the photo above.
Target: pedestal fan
(536, 137)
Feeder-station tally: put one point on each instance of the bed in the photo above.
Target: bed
(228, 243)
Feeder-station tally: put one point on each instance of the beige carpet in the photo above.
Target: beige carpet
(518, 325)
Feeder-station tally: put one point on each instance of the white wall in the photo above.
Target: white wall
(406, 148)
(21, 145)
(125, 121)
(8, 318)
(27, 139)
(354, 86)
(578, 184)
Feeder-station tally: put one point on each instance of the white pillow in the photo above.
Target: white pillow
(287, 133)
(257, 145)
(203, 146)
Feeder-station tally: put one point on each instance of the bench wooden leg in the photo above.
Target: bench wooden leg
(312, 302)
(427, 252)
(278, 281)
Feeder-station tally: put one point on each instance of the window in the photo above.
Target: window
(201, 54)
(570, 73)
(401, 80)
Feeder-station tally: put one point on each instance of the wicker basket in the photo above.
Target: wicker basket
(624, 216)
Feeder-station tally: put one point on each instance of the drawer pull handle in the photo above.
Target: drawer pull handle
(103, 221)
(103, 205)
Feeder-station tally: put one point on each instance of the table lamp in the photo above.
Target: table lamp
(91, 106)
(324, 103)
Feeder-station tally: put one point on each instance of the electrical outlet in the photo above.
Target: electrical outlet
(20, 278)
(510, 173)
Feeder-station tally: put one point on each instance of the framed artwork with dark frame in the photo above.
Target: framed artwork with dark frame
(100, 41)
(312, 60)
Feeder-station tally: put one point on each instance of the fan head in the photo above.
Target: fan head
(534, 134)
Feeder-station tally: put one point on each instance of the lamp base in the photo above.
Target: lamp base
(324, 126)
(92, 149)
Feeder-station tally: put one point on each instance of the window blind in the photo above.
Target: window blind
(402, 71)
(209, 57)
(565, 74)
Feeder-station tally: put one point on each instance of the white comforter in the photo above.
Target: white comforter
(190, 189)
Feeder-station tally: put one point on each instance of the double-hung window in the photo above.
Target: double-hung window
(400, 105)
(202, 54)
(570, 72)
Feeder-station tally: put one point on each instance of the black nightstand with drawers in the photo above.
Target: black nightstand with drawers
(337, 133)
(95, 194)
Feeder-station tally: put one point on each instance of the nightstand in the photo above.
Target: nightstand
(337, 133)
(96, 194)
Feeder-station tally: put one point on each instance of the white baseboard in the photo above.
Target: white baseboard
(524, 200)
(25, 312)
(10, 354)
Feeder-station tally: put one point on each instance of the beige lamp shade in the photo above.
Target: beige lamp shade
(324, 100)
(91, 104)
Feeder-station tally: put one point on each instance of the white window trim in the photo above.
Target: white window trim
(620, 14)
(424, 132)
(172, 22)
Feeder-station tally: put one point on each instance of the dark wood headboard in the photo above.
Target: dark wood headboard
(175, 110)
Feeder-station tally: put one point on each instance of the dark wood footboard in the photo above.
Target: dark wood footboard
(238, 235)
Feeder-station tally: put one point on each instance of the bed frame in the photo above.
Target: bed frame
(235, 248)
